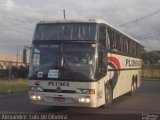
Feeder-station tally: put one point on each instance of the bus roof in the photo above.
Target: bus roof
(100, 21)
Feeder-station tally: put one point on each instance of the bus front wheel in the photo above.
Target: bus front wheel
(108, 95)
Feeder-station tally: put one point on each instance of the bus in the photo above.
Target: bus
(82, 63)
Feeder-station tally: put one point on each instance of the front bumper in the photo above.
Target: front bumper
(63, 99)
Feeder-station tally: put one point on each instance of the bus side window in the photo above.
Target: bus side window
(102, 36)
(110, 38)
(102, 63)
(107, 39)
(102, 54)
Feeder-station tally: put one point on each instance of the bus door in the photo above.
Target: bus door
(102, 62)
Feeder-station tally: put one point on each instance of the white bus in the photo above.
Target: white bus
(83, 63)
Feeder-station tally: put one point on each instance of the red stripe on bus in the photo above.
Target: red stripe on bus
(115, 61)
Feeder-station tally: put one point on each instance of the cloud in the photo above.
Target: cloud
(8, 5)
(19, 17)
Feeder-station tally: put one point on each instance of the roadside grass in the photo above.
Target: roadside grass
(13, 86)
(148, 73)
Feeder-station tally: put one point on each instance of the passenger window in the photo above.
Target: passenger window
(102, 36)
(102, 63)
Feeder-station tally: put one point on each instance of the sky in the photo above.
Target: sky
(137, 18)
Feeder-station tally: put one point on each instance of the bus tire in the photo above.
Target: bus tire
(133, 87)
(108, 95)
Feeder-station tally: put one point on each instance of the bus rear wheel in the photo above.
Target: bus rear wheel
(108, 95)
(133, 88)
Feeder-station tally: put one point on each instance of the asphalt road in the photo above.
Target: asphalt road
(146, 100)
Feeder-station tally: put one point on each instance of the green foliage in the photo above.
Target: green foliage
(151, 57)
(151, 64)
(13, 86)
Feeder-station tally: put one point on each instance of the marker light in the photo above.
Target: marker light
(91, 91)
(85, 91)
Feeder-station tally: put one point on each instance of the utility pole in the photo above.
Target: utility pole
(10, 71)
(17, 58)
(64, 13)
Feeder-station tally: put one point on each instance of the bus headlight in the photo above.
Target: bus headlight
(39, 98)
(84, 100)
(33, 97)
(36, 88)
(36, 97)
(88, 100)
(85, 91)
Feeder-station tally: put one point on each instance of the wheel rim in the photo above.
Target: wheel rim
(133, 88)
(108, 95)
(135, 85)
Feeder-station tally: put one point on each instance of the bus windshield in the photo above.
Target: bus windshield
(69, 61)
(66, 31)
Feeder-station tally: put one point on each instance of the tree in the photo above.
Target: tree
(151, 57)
